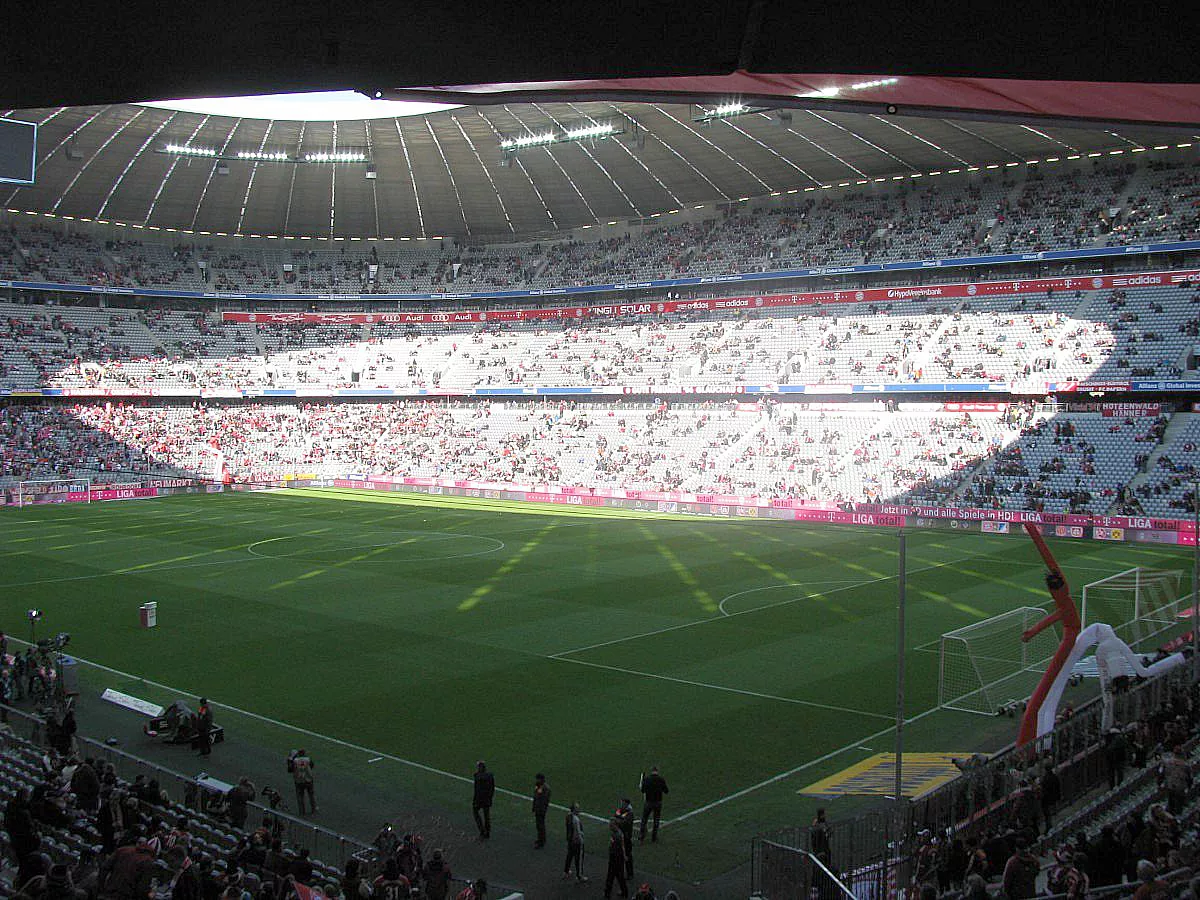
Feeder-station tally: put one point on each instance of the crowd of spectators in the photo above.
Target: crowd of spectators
(1020, 456)
(1123, 834)
(1018, 340)
(1106, 203)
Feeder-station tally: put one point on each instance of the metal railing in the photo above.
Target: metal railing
(982, 797)
(782, 872)
(330, 847)
(871, 852)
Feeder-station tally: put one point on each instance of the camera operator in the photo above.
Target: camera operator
(301, 766)
(239, 798)
(386, 841)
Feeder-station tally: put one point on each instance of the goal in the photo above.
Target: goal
(1140, 604)
(50, 490)
(984, 666)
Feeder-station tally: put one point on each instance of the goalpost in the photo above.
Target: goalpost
(51, 490)
(984, 666)
(1140, 604)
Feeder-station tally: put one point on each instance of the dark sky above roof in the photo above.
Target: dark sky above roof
(53, 52)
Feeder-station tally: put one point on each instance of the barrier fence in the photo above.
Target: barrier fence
(328, 846)
(1135, 529)
(871, 853)
(205, 795)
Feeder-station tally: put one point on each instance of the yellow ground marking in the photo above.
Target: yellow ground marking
(876, 776)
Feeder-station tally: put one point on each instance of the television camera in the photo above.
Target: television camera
(54, 644)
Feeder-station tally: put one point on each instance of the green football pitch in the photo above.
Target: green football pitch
(406, 637)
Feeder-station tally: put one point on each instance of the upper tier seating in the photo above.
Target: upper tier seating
(1104, 204)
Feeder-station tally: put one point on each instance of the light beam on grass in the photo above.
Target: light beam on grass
(953, 604)
(184, 558)
(848, 564)
(1008, 583)
(683, 572)
(511, 563)
(313, 573)
(762, 566)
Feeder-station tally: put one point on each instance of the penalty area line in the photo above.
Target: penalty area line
(721, 687)
(782, 776)
(721, 616)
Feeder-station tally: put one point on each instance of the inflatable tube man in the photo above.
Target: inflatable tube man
(1113, 655)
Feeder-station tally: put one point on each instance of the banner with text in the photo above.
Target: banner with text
(920, 293)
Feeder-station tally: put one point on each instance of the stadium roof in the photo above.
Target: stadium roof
(961, 87)
(444, 173)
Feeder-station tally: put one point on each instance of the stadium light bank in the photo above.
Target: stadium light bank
(267, 156)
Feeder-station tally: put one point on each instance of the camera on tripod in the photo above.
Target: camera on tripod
(54, 644)
(274, 798)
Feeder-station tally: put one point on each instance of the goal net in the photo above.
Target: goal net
(1140, 604)
(50, 490)
(984, 666)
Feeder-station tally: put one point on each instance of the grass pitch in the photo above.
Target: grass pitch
(406, 637)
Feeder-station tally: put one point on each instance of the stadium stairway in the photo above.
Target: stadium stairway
(1136, 794)
(1175, 427)
(923, 355)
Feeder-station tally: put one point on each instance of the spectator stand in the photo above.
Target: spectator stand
(26, 760)
(874, 853)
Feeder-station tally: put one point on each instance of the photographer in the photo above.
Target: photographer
(301, 766)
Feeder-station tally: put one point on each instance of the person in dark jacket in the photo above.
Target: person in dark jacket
(187, 884)
(1115, 750)
(653, 788)
(302, 867)
(624, 817)
(1021, 872)
(481, 803)
(23, 835)
(59, 885)
(85, 785)
(1108, 858)
(436, 876)
(616, 860)
(1051, 793)
(410, 858)
(129, 873)
(541, 805)
(239, 797)
(204, 725)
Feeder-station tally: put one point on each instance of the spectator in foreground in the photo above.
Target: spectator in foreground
(436, 876)
(1150, 886)
(1021, 872)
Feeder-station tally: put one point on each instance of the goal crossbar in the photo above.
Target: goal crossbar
(1139, 603)
(986, 665)
(46, 490)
